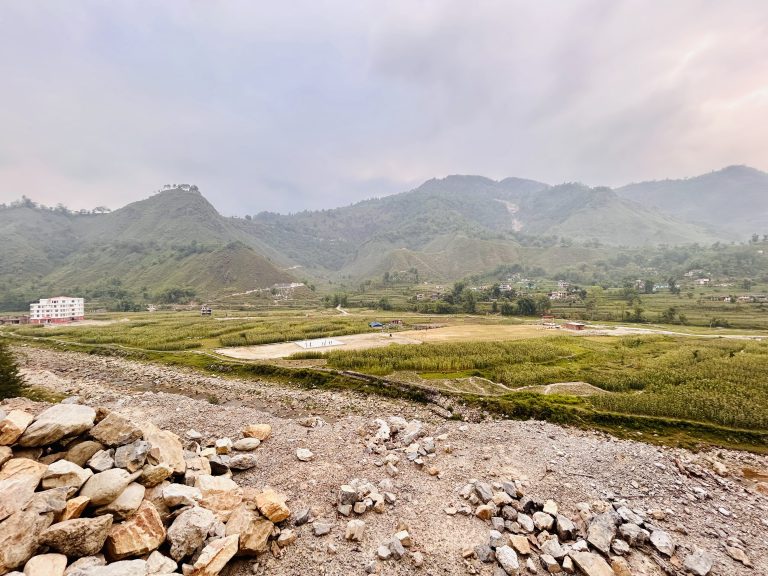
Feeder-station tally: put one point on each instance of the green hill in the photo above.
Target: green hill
(174, 240)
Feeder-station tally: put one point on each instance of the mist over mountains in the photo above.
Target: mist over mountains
(446, 228)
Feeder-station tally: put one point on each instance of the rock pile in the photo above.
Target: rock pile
(358, 496)
(397, 436)
(88, 492)
(526, 531)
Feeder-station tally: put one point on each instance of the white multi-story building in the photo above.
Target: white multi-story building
(56, 310)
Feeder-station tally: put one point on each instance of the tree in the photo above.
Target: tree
(11, 381)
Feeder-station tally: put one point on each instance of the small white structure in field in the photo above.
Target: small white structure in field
(57, 310)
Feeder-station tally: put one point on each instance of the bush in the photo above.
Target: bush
(11, 381)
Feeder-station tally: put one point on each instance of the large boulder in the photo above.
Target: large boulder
(57, 422)
(19, 537)
(140, 534)
(13, 425)
(592, 564)
(104, 487)
(219, 494)
(601, 532)
(80, 452)
(166, 448)
(78, 537)
(116, 430)
(46, 565)
(125, 504)
(215, 556)
(65, 474)
(188, 531)
(18, 479)
(254, 531)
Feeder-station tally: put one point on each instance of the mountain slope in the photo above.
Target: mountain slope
(174, 239)
(431, 227)
(734, 199)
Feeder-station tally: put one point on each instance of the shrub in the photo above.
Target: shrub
(11, 381)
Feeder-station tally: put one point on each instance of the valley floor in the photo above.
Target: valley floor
(566, 465)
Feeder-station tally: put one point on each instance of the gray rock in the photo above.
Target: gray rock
(566, 529)
(181, 495)
(397, 548)
(484, 491)
(125, 504)
(507, 558)
(219, 464)
(383, 552)
(543, 521)
(698, 562)
(321, 528)
(628, 515)
(497, 523)
(411, 432)
(65, 474)
(662, 542)
(347, 495)
(304, 455)
(242, 461)
(301, 517)
(620, 547)
(526, 523)
(132, 456)
(633, 534)
(102, 460)
(484, 553)
(601, 531)
(496, 539)
(553, 548)
(189, 531)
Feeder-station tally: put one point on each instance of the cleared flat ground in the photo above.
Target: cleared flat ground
(474, 332)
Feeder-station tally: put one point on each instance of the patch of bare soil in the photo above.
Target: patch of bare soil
(705, 498)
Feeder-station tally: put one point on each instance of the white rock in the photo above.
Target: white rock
(304, 454)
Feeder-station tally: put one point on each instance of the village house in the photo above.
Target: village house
(57, 310)
(702, 281)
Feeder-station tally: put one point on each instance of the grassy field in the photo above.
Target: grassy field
(720, 381)
(682, 389)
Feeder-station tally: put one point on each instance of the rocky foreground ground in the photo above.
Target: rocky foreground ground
(377, 485)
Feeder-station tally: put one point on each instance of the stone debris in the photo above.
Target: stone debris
(360, 496)
(552, 542)
(129, 492)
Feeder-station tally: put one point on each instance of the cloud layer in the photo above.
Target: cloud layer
(315, 104)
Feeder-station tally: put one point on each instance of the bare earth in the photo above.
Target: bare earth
(564, 464)
(458, 333)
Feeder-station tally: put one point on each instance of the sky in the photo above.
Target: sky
(287, 106)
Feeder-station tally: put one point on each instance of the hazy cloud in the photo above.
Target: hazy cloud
(316, 104)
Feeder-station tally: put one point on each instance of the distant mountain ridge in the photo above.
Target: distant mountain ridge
(734, 199)
(446, 228)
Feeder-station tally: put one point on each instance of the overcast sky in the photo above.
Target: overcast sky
(284, 106)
